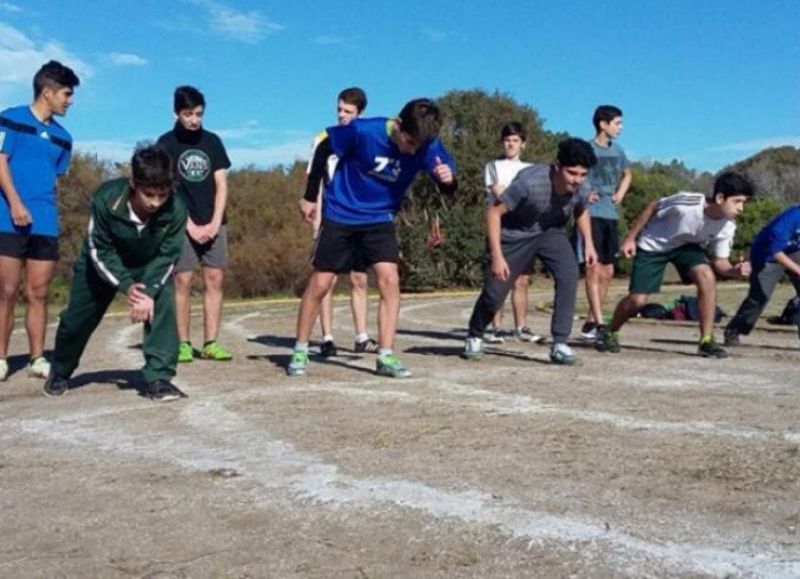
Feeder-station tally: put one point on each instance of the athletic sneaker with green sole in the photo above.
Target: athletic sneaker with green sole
(298, 365)
(710, 349)
(607, 341)
(213, 351)
(185, 353)
(562, 354)
(391, 366)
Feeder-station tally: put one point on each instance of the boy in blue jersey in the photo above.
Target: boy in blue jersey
(34, 151)
(775, 252)
(609, 181)
(378, 160)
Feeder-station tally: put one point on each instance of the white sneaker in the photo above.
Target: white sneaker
(493, 337)
(39, 368)
(473, 349)
(3, 369)
(562, 354)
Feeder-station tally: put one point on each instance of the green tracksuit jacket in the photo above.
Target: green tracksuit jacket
(116, 254)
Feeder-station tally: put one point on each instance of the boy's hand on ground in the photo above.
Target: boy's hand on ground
(442, 172)
(20, 215)
(500, 269)
(628, 247)
(308, 210)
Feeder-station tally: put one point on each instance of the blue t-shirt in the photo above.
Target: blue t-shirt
(780, 234)
(372, 176)
(604, 178)
(37, 155)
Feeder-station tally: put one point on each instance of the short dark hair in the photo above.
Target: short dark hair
(732, 183)
(188, 97)
(54, 74)
(354, 96)
(605, 113)
(513, 128)
(572, 152)
(421, 120)
(151, 166)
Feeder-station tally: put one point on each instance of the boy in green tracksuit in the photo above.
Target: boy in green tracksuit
(135, 236)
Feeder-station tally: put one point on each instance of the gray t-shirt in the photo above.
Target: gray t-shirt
(604, 178)
(533, 206)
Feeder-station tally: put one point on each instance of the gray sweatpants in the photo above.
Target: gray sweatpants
(762, 284)
(553, 250)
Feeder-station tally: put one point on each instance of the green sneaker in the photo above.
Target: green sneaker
(391, 366)
(185, 352)
(299, 363)
(213, 351)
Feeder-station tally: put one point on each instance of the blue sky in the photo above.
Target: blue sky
(707, 82)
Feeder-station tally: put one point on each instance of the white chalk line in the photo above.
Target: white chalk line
(231, 442)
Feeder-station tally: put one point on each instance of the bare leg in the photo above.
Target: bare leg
(38, 274)
(597, 281)
(703, 278)
(326, 312)
(628, 307)
(183, 304)
(388, 280)
(10, 273)
(359, 300)
(212, 301)
(319, 284)
(519, 301)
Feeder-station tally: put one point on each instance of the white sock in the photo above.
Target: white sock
(301, 346)
(327, 338)
(362, 337)
(385, 352)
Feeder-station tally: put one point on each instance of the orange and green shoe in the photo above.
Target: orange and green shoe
(213, 351)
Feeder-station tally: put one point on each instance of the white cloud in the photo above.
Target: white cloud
(21, 57)
(329, 39)
(755, 145)
(434, 34)
(108, 150)
(250, 26)
(9, 7)
(271, 155)
(127, 59)
(120, 151)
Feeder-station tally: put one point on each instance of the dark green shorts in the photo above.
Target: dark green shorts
(648, 268)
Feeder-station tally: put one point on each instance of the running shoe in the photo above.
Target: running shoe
(708, 348)
(493, 337)
(163, 391)
(525, 334)
(185, 352)
(39, 367)
(607, 341)
(328, 349)
(213, 351)
(368, 346)
(55, 385)
(298, 366)
(391, 366)
(473, 349)
(562, 354)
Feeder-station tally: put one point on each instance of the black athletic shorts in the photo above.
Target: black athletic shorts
(29, 246)
(342, 248)
(606, 240)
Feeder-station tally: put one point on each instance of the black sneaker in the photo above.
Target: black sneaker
(607, 341)
(55, 385)
(710, 349)
(368, 346)
(328, 349)
(163, 391)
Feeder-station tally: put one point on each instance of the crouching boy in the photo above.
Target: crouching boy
(681, 229)
(135, 236)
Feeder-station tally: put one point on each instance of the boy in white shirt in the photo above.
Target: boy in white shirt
(681, 229)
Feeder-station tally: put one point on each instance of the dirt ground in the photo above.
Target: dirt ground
(648, 463)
